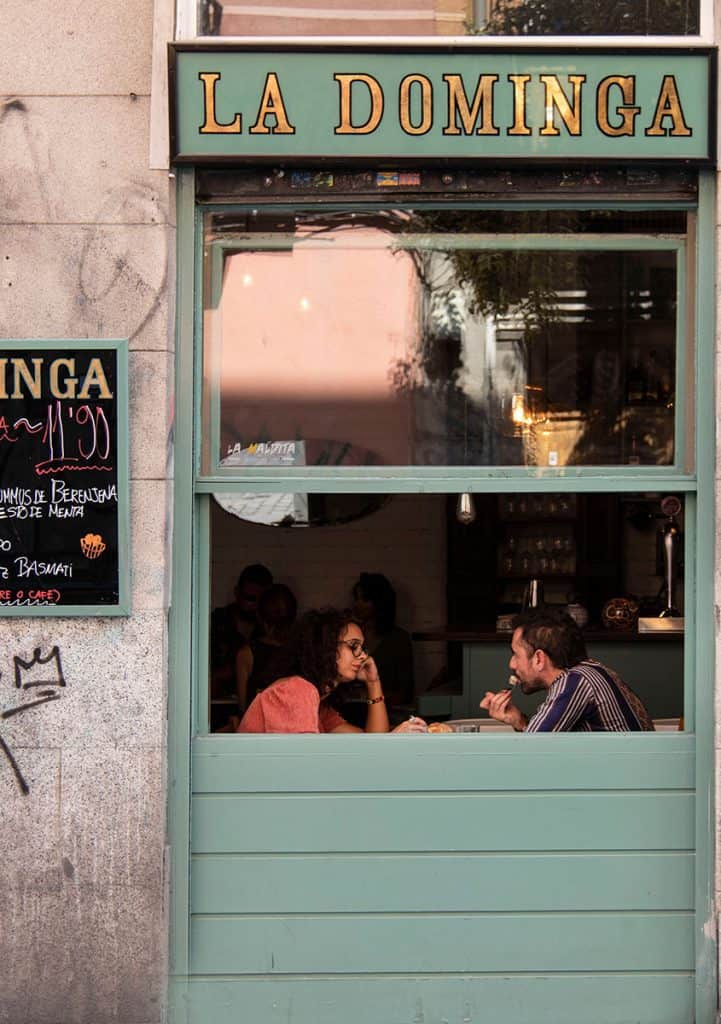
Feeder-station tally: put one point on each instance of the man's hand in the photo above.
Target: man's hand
(499, 706)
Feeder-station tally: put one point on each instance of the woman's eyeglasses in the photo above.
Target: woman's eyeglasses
(357, 647)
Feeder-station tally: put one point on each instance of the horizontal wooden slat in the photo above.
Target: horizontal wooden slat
(406, 883)
(441, 943)
(458, 822)
(554, 999)
(463, 762)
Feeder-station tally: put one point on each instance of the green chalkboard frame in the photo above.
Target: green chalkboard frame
(120, 347)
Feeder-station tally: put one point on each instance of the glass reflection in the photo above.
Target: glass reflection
(336, 18)
(410, 342)
(588, 18)
(448, 17)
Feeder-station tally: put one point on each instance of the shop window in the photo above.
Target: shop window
(614, 561)
(432, 338)
(447, 18)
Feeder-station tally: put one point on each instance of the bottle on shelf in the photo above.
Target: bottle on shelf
(652, 378)
(635, 380)
(634, 453)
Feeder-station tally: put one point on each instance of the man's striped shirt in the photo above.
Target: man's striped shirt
(590, 698)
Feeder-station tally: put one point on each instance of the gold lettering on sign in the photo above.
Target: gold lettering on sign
(29, 381)
(95, 378)
(627, 85)
(519, 105)
(556, 100)
(69, 391)
(404, 105)
(669, 105)
(346, 126)
(210, 125)
(271, 102)
(32, 381)
(458, 106)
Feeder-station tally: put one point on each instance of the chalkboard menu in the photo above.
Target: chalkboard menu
(63, 478)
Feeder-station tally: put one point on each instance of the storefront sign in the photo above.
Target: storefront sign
(63, 478)
(231, 104)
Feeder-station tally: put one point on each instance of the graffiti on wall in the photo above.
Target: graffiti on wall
(37, 682)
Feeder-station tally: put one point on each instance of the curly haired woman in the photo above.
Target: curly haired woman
(331, 651)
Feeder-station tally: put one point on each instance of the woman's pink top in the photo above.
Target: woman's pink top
(290, 705)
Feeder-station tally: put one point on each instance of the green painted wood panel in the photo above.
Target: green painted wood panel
(459, 762)
(608, 998)
(448, 821)
(423, 883)
(439, 943)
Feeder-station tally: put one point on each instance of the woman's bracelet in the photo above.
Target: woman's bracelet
(375, 700)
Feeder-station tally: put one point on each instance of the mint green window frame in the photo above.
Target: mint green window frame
(692, 474)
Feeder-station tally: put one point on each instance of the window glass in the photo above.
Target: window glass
(414, 338)
(448, 17)
(336, 18)
(588, 18)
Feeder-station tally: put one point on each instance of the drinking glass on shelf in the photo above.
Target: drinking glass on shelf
(508, 561)
(540, 555)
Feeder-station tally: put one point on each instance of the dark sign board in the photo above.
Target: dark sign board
(63, 478)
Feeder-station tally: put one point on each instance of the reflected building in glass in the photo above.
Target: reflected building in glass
(416, 338)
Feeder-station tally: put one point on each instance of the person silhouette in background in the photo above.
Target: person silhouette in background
(234, 625)
(270, 654)
(374, 605)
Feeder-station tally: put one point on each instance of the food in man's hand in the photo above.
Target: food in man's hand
(439, 727)
(513, 680)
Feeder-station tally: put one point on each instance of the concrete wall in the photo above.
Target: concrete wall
(84, 252)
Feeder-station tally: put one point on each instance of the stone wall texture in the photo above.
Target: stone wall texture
(86, 244)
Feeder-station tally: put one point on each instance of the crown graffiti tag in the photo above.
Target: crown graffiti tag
(40, 679)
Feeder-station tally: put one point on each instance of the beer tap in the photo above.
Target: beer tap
(670, 507)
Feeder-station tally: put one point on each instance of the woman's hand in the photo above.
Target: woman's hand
(412, 724)
(368, 673)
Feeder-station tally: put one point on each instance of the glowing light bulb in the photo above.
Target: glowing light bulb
(518, 411)
(465, 509)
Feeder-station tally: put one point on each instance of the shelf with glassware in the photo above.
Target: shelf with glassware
(537, 539)
(572, 542)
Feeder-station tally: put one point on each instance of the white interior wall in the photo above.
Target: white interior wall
(405, 540)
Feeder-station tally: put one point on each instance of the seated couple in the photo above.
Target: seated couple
(331, 653)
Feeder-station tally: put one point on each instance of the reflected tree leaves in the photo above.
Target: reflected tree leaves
(591, 17)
